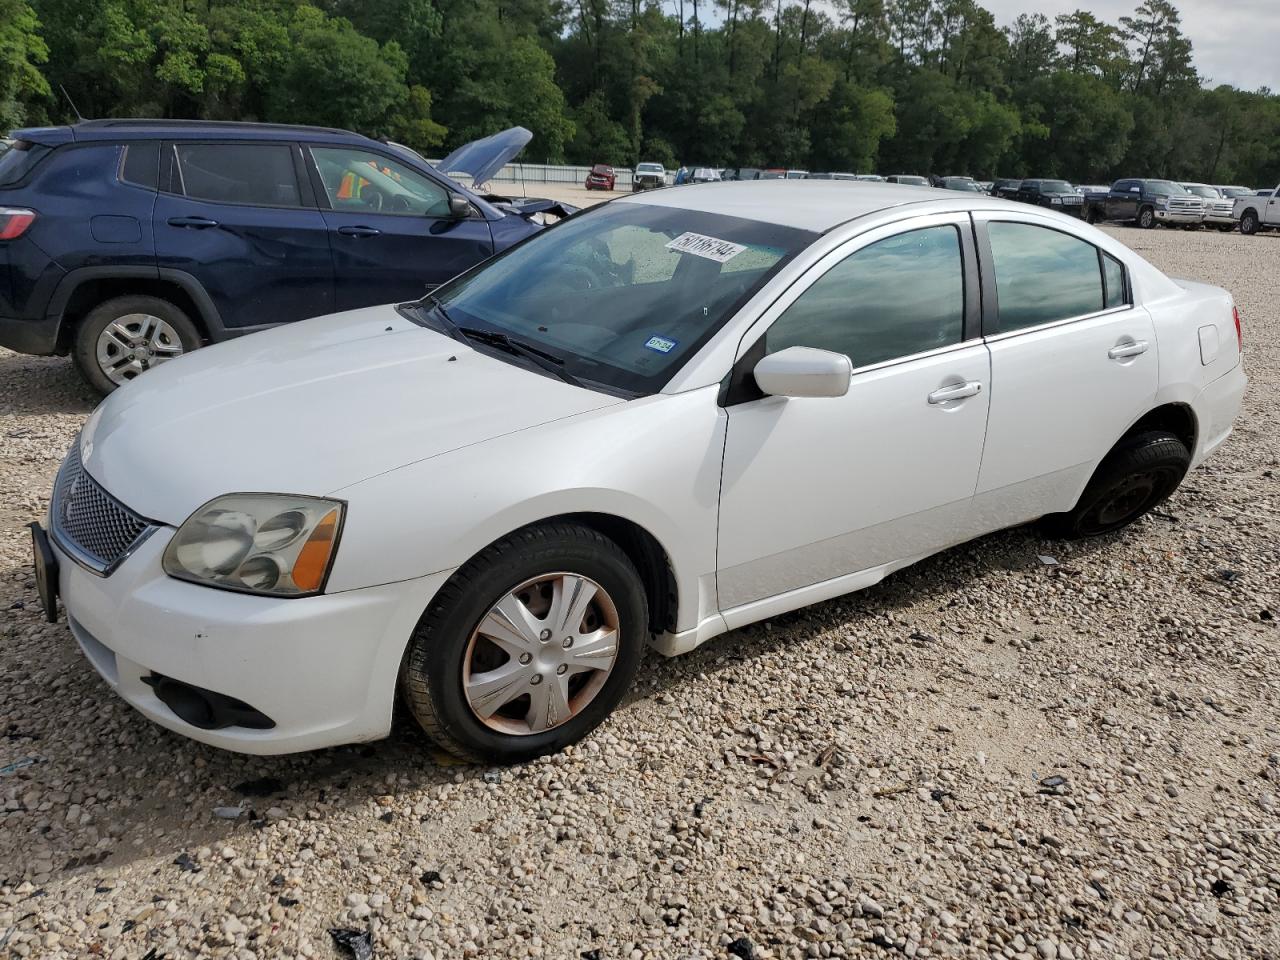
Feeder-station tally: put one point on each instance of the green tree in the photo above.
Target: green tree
(22, 50)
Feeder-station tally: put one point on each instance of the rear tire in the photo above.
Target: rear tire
(1249, 223)
(122, 338)
(454, 645)
(1140, 473)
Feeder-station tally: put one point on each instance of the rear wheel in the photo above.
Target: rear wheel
(1140, 473)
(529, 646)
(1147, 218)
(1249, 223)
(124, 337)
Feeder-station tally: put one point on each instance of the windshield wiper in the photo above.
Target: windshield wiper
(539, 357)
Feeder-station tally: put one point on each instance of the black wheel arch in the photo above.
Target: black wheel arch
(1176, 418)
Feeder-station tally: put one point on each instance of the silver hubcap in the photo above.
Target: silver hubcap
(541, 654)
(135, 343)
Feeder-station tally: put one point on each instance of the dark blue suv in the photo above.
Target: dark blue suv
(128, 242)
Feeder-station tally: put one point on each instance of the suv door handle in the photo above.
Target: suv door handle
(1124, 350)
(956, 391)
(359, 231)
(195, 223)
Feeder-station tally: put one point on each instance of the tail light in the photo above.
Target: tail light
(14, 222)
(1239, 330)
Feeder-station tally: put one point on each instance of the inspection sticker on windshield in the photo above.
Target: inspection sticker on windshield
(661, 344)
(707, 247)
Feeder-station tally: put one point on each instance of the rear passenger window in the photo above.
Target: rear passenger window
(261, 174)
(1113, 277)
(1043, 275)
(894, 298)
(141, 164)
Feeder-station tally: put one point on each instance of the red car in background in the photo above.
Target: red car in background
(601, 177)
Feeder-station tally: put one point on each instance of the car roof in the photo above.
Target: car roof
(816, 205)
(140, 128)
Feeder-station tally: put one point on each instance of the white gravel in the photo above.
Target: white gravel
(985, 756)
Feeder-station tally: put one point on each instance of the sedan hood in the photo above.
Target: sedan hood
(309, 408)
(482, 159)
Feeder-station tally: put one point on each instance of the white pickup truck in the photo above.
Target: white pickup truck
(1260, 212)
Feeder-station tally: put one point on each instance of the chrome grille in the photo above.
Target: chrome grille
(1186, 205)
(88, 522)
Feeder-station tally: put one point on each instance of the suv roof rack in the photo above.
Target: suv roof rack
(241, 124)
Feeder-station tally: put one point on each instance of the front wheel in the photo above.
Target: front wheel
(1139, 474)
(124, 337)
(529, 646)
(1147, 218)
(1249, 223)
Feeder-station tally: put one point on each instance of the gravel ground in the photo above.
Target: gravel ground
(985, 756)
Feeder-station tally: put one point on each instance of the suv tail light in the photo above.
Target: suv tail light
(1239, 331)
(14, 222)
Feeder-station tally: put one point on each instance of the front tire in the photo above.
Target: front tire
(1249, 223)
(529, 646)
(122, 338)
(1147, 218)
(1139, 474)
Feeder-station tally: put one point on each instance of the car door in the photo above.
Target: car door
(1073, 362)
(815, 489)
(239, 218)
(1271, 212)
(390, 227)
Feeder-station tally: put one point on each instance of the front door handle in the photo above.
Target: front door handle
(1122, 351)
(359, 231)
(956, 391)
(193, 223)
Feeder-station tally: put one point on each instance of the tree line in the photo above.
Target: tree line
(895, 86)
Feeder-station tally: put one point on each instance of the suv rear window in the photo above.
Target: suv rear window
(261, 174)
(18, 159)
(141, 164)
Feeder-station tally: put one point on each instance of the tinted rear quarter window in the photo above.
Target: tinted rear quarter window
(1043, 275)
(141, 165)
(257, 174)
(1113, 276)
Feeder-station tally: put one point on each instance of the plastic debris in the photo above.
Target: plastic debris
(358, 943)
(17, 765)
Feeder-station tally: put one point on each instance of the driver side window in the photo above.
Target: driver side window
(359, 180)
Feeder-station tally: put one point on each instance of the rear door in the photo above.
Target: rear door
(239, 218)
(390, 228)
(1073, 364)
(1122, 202)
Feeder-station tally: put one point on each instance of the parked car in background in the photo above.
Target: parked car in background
(1055, 194)
(908, 179)
(601, 176)
(1005, 188)
(796, 174)
(704, 175)
(833, 176)
(648, 176)
(126, 243)
(1259, 212)
(870, 177)
(512, 613)
(1219, 211)
(773, 173)
(1234, 192)
(961, 184)
(742, 173)
(1091, 188)
(1146, 203)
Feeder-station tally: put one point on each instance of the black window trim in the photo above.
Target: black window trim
(169, 166)
(322, 194)
(990, 301)
(739, 385)
(125, 147)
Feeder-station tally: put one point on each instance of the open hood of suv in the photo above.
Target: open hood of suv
(482, 159)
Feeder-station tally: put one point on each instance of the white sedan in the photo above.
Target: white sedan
(667, 417)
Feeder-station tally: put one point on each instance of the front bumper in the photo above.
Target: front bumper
(323, 668)
(1220, 219)
(1179, 216)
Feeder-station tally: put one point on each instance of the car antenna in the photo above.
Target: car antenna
(74, 109)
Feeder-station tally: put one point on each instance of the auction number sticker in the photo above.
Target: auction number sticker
(710, 248)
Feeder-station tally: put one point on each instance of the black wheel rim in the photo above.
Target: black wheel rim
(1127, 499)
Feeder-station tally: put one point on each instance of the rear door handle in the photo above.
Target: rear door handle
(194, 223)
(359, 231)
(956, 391)
(1124, 350)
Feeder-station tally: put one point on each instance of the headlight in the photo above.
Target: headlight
(267, 543)
(1057, 200)
(1162, 202)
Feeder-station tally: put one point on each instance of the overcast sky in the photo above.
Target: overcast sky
(1234, 40)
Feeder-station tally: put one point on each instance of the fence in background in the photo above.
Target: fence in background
(558, 173)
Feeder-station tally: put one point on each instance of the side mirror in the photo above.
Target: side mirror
(459, 206)
(804, 372)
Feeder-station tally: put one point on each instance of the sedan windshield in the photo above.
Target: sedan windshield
(622, 295)
(649, 168)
